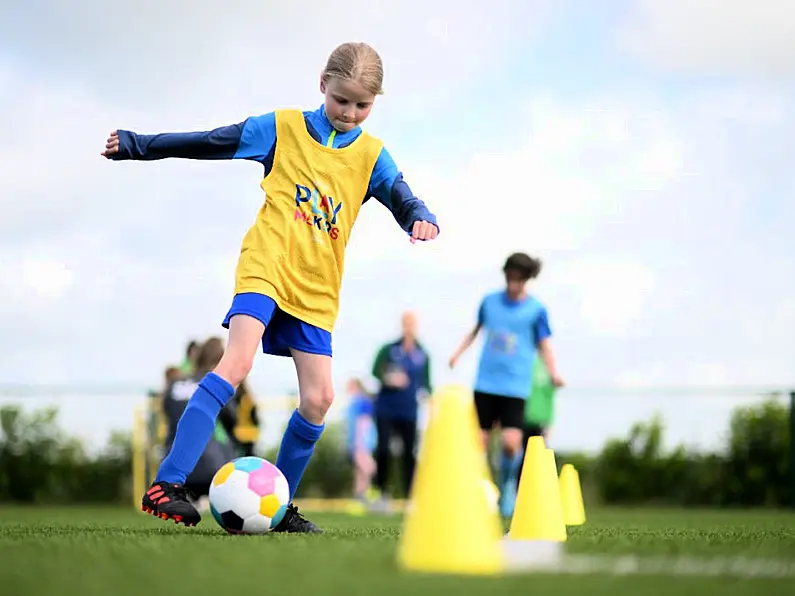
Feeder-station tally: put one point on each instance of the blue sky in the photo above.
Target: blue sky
(641, 149)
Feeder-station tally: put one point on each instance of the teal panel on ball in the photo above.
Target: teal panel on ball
(248, 464)
(217, 516)
(277, 519)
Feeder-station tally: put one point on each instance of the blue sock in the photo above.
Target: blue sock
(509, 468)
(509, 472)
(298, 444)
(194, 429)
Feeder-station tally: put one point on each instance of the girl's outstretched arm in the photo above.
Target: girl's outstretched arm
(389, 188)
(253, 139)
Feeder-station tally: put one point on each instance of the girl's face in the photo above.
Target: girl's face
(347, 103)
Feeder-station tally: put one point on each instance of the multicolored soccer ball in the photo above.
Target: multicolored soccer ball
(249, 495)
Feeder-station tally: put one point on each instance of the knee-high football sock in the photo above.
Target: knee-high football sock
(194, 429)
(509, 472)
(298, 444)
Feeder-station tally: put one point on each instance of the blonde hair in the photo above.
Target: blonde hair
(356, 61)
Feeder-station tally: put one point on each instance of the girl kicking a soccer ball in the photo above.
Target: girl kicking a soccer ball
(320, 167)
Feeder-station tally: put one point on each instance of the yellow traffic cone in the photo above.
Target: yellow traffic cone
(449, 526)
(539, 512)
(571, 496)
(465, 394)
(487, 482)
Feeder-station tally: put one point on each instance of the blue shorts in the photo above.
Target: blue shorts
(282, 331)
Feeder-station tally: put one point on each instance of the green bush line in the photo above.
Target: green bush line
(40, 464)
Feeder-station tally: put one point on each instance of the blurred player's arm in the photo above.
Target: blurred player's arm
(389, 189)
(380, 362)
(426, 376)
(469, 338)
(543, 336)
(252, 139)
(548, 354)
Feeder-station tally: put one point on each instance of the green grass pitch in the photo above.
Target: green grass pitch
(115, 552)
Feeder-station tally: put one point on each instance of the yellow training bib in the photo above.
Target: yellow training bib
(295, 251)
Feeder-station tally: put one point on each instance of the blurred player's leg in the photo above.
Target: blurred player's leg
(408, 437)
(511, 460)
(363, 470)
(487, 417)
(167, 498)
(382, 457)
(511, 414)
(306, 425)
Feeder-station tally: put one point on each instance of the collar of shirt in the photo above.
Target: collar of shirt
(321, 124)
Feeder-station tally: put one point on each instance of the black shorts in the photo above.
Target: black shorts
(533, 430)
(508, 411)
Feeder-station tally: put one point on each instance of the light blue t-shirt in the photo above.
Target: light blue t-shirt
(361, 406)
(513, 330)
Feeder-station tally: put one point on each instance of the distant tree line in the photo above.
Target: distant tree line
(39, 463)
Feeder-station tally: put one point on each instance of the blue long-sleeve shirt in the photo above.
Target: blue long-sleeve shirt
(255, 139)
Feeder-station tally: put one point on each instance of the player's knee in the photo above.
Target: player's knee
(484, 437)
(511, 441)
(315, 403)
(234, 368)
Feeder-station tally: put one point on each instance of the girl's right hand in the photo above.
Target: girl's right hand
(112, 145)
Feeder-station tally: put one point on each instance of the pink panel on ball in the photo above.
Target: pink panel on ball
(261, 481)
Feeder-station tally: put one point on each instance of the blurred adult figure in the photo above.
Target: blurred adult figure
(402, 368)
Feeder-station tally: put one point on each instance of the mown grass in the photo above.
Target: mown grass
(85, 551)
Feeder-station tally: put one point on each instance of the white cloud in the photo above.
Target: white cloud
(590, 173)
(575, 166)
(625, 195)
(614, 293)
(32, 279)
(257, 56)
(706, 37)
(66, 96)
(46, 277)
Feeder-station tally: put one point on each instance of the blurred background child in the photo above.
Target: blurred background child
(247, 431)
(222, 446)
(361, 439)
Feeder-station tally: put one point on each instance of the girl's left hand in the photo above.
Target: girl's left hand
(423, 230)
